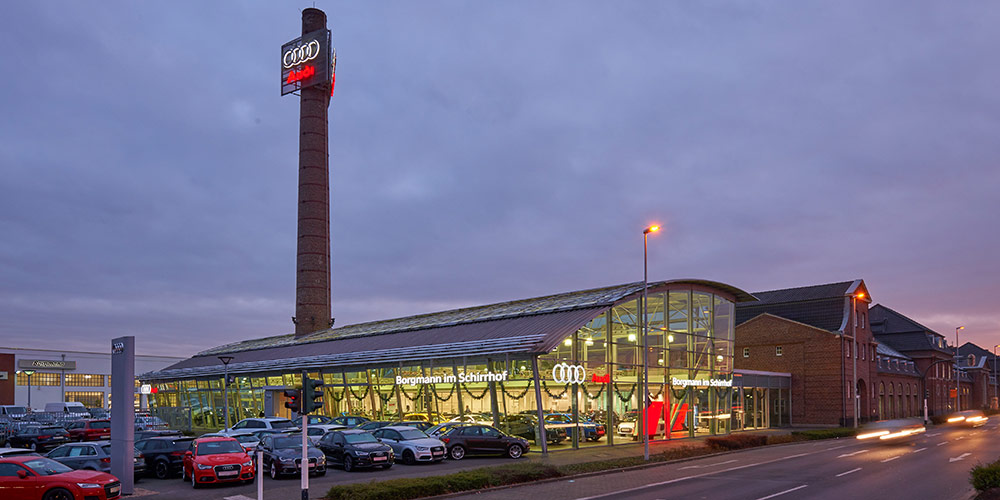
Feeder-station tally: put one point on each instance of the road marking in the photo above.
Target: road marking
(707, 465)
(959, 437)
(919, 450)
(835, 447)
(237, 497)
(960, 457)
(942, 444)
(848, 472)
(932, 435)
(890, 459)
(617, 494)
(783, 492)
(852, 454)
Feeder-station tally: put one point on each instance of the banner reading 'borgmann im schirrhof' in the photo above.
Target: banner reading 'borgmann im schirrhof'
(711, 382)
(451, 379)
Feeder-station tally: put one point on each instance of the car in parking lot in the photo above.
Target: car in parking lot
(95, 455)
(371, 425)
(13, 452)
(590, 430)
(164, 456)
(483, 439)
(39, 438)
(349, 420)
(283, 455)
(416, 424)
(257, 424)
(411, 445)
(54, 480)
(354, 449)
(146, 423)
(217, 459)
(89, 430)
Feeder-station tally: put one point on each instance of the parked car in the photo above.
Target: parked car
(473, 418)
(444, 428)
(51, 478)
(349, 420)
(313, 420)
(89, 430)
(98, 413)
(373, 424)
(164, 456)
(590, 430)
(526, 426)
(145, 423)
(70, 408)
(13, 412)
(411, 445)
(217, 459)
(355, 448)
(416, 424)
(431, 417)
(37, 438)
(283, 455)
(483, 439)
(13, 452)
(256, 424)
(93, 456)
(266, 432)
(139, 435)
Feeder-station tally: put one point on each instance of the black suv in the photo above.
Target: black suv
(38, 438)
(482, 439)
(354, 448)
(164, 455)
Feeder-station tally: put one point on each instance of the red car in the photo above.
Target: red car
(29, 477)
(89, 430)
(215, 460)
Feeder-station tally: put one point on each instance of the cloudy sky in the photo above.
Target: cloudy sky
(488, 151)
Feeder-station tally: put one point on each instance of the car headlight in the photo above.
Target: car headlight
(321, 459)
(88, 485)
(203, 467)
(423, 448)
(287, 460)
(248, 463)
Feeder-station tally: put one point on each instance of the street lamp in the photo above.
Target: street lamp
(854, 340)
(29, 373)
(643, 418)
(958, 395)
(225, 392)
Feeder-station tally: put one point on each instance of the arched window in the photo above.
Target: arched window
(891, 403)
(881, 400)
(899, 399)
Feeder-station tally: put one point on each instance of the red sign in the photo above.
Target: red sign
(600, 379)
(302, 74)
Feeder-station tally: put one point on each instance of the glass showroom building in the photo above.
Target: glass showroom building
(577, 354)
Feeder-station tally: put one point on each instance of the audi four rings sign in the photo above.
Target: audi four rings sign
(564, 373)
(306, 61)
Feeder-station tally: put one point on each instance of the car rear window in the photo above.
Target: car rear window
(107, 449)
(181, 443)
(282, 424)
(100, 425)
(53, 430)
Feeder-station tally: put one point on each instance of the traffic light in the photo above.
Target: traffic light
(294, 400)
(312, 397)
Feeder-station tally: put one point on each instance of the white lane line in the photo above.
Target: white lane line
(783, 492)
(852, 454)
(707, 465)
(890, 459)
(919, 450)
(617, 494)
(835, 447)
(959, 437)
(237, 497)
(942, 444)
(848, 472)
(960, 457)
(932, 435)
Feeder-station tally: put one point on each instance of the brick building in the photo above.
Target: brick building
(820, 334)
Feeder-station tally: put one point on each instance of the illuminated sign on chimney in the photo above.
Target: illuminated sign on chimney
(306, 61)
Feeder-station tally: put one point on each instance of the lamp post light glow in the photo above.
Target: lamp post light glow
(643, 418)
(958, 394)
(225, 392)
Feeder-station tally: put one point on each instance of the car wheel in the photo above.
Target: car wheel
(348, 464)
(194, 480)
(515, 451)
(408, 457)
(386, 466)
(32, 446)
(457, 452)
(161, 470)
(274, 471)
(58, 494)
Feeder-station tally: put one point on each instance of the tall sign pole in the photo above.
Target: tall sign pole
(306, 67)
(123, 411)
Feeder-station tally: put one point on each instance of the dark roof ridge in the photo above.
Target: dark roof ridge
(903, 317)
(807, 286)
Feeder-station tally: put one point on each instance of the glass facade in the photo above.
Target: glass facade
(588, 384)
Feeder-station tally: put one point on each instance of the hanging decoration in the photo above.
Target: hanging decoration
(627, 397)
(446, 398)
(555, 396)
(333, 395)
(363, 394)
(594, 396)
(651, 396)
(481, 396)
(386, 397)
(416, 396)
(503, 387)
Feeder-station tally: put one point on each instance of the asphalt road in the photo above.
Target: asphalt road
(934, 465)
(289, 487)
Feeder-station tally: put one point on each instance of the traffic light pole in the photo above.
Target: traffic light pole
(305, 407)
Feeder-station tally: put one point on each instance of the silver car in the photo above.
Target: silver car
(411, 445)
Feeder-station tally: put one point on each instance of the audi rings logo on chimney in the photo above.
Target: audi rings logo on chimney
(301, 54)
(564, 373)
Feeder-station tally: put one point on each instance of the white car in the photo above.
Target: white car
(411, 445)
(257, 424)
